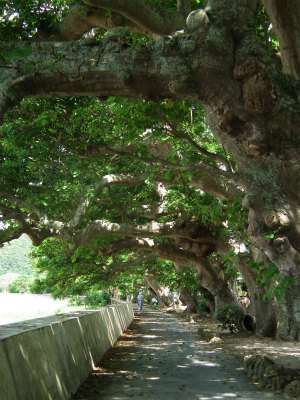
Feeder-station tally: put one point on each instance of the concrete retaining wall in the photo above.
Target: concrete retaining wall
(48, 358)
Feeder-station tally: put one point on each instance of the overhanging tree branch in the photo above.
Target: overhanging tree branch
(202, 265)
(166, 68)
(173, 131)
(206, 172)
(148, 16)
(116, 268)
(81, 19)
(166, 251)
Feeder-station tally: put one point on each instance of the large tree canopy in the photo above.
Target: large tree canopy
(121, 174)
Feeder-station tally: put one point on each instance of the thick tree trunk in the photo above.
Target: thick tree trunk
(211, 305)
(224, 296)
(285, 18)
(188, 300)
(287, 313)
(208, 299)
(209, 278)
(272, 187)
(283, 250)
(263, 310)
(162, 293)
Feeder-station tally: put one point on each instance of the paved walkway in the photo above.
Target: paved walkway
(159, 359)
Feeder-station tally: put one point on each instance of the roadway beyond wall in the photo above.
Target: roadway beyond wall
(48, 358)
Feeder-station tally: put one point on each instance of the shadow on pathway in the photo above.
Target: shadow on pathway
(158, 359)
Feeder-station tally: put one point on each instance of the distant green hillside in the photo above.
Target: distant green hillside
(14, 257)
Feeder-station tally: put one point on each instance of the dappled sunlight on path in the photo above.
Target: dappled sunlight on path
(159, 358)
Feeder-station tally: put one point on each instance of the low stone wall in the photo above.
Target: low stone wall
(265, 370)
(268, 373)
(48, 358)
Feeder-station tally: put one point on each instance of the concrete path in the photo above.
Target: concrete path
(159, 359)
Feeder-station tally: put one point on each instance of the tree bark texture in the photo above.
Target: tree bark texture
(188, 300)
(263, 310)
(162, 293)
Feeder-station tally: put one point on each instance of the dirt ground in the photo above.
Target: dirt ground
(275, 363)
(284, 353)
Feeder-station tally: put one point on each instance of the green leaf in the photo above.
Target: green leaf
(271, 236)
(23, 52)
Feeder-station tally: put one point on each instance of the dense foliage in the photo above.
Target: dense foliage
(172, 147)
(53, 146)
(14, 257)
(20, 285)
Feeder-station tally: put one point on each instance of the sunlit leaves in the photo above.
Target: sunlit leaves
(20, 19)
(270, 278)
(64, 274)
(65, 146)
(264, 31)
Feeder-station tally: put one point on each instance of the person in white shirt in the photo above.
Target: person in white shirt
(154, 302)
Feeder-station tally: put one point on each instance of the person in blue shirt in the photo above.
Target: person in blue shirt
(140, 298)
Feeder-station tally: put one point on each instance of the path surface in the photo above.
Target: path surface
(159, 359)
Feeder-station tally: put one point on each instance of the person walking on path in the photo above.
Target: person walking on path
(140, 298)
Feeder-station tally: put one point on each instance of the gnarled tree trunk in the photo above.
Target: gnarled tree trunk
(264, 314)
(162, 293)
(188, 300)
(222, 291)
